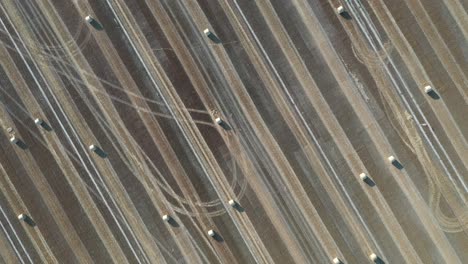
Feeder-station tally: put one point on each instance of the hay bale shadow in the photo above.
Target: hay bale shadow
(397, 164)
(369, 182)
(225, 125)
(434, 95)
(346, 15)
(238, 207)
(21, 144)
(173, 222)
(28, 220)
(214, 38)
(218, 238)
(98, 26)
(101, 153)
(379, 261)
(46, 126)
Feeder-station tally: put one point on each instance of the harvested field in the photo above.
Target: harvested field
(307, 101)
